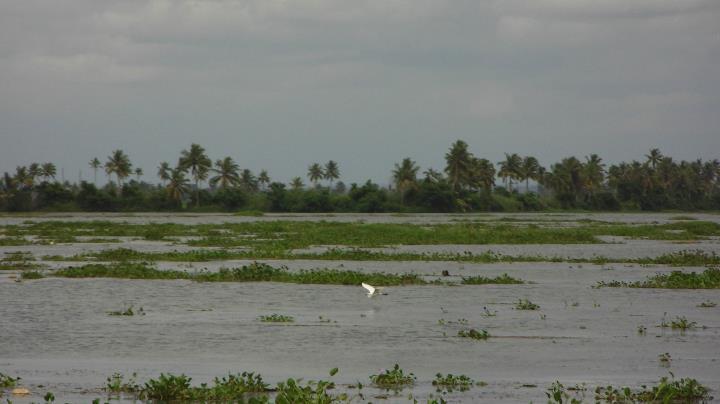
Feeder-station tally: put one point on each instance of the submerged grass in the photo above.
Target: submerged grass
(708, 279)
(503, 279)
(255, 272)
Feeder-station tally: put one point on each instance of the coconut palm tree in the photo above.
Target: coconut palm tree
(35, 171)
(482, 174)
(529, 170)
(178, 186)
(198, 164)
(138, 173)
(510, 169)
(654, 157)
(164, 172)
(297, 183)
(263, 179)
(95, 164)
(458, 161)
(119, 164)
(315, 173)
(332, 172)
(22, 178)
(248, 180)
(405, 177)
(593, 174)
(48, 171)
(227, 173)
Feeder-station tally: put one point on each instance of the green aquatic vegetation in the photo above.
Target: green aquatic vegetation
(394, 379)
(503, 279)
(708, 279)
(474, 334)
(642, 330)
(7, 381)
(525, 304)
(30, 275)
(683, 217)
(680, 323)
(667, 390)
(665, 359)
(117, 384)
(558, 393)
(276, 318)
(255, 272)
(127, 312)
(451, 382)
(707, 304)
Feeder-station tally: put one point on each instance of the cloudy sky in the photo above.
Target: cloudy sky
(278, 84)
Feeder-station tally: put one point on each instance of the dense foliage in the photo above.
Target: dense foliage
(467, 183)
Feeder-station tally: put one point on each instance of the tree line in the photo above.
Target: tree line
(467, 183)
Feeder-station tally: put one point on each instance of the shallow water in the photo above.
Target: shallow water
(57, 333)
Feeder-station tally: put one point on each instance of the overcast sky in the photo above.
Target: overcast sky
(279, 84)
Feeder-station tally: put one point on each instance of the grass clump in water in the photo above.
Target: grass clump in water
(127, 312)
(394, 378)
(668, 390)
(525, 304)
(234, 388)
(449, 383)
(276, 318)
(472, 333)
(707, 304)
(30, 275)
(503, 279)
(680, 323)
(117, 384)
(708, 279)
(7, 382)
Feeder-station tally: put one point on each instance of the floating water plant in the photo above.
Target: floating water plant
(680, 323)
(708, 279)
(276, 318)
(7, 382)
(525, 304)
(474, 334)
(665, 359)
(451, 382)
(127, 312)
(32, 275)
(504, 279)
(707, 304)
(557, 393)
(668, 390)
(394, 378)
(117, 384)
(642, 330)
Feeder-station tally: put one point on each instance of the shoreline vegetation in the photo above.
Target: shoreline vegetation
(466, 184)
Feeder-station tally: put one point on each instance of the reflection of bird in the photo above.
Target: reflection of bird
(372, 291)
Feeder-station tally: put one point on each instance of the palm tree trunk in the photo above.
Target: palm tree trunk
(197, 193)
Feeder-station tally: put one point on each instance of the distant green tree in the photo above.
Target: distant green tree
(227, 173)
(405, 177)
(315, 173)
(178, 186)
(529, 170)
(248, 180)
(118, 163)
(263, 179)
(138, 173)
(510, 169)
(331, 172)
(163, 172)
(297, 183)
(49, 171)
(198, 164)
(458, 161)
(95, 164)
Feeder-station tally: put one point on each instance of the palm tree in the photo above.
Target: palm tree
(164, 172)
(297, 183)
(119, 164)
(315, 173)
(458, 161)
(264, 179)
(138, 173)
(95, 164)
(510, 169)
(593, 173)
(227, 171)
(332, 171)
(529, 170)
(433, 175)
(48, 170)
(248, 180)
(654, 157)
(483, 174)
(198, 163)
(35, 171)
(23, 178)
(405, 177)
(178, 186)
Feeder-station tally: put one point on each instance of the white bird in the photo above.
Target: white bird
(372, 291)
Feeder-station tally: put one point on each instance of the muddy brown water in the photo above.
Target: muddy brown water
(57, 333)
